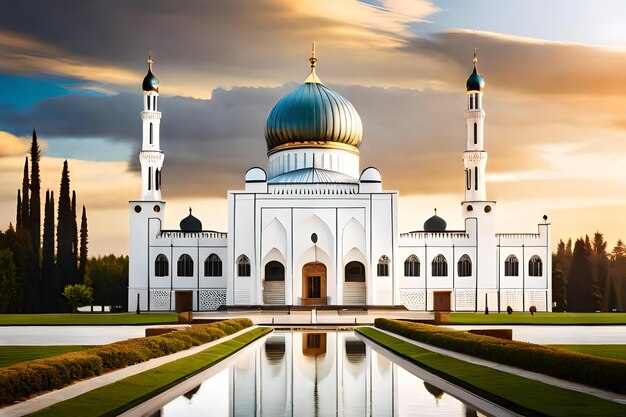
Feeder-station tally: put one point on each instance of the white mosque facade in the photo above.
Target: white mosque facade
(313, 229)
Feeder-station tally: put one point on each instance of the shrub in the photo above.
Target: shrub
(28, 378)
(591, 370)
(509, 310)
(532, 310)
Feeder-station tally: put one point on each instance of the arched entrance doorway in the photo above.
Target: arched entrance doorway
(354, 290)
(314, 284)
(274, 283)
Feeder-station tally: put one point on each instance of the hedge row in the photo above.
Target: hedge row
(605, 373)
(28, 378)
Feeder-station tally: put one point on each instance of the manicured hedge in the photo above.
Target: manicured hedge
(28, 378)
(585, 369)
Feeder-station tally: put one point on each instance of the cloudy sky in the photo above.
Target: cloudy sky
(555, 100)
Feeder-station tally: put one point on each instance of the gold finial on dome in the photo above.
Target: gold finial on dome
(313, 60)
(150, 61)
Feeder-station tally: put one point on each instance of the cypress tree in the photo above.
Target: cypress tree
(18, 223)
(50, 291)
(35, 202)
(75, 249)
(83, 246)
(66, 267)
(25, 204)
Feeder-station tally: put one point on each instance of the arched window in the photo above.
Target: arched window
(412, 266)
(213, 266)
(476, 178)
(151, 129)
(511, 266)
(439, 266)
(149, 178)
(464, 266)
(355, 272)
(161, 266)
(185, 266)
(274, 271)
(383, 266)
(243, 266)
(157, 179)
(535, 267)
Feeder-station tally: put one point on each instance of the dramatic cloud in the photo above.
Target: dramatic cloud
(11, 145)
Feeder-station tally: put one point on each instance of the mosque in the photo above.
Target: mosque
(313, 229)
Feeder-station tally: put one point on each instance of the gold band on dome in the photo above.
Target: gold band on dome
(315, 144)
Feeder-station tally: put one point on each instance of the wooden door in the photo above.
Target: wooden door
(314, 284)
(441, 300)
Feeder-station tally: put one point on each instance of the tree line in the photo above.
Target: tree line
(32, 273)
(588, 277)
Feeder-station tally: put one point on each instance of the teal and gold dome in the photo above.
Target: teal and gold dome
(150, 81)
(475, 82)
(313, 115)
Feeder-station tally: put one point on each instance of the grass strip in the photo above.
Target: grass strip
(607, 351)
(122, 395)
(10, 355)
(86, 319)
(522, 395)
(538, 318)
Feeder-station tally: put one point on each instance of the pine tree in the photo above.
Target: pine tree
(34, 211)
(83, 247)
(601, 267)
(50, 288)
(582, 288)
(25, 203)
(66, 267)
(568, 247)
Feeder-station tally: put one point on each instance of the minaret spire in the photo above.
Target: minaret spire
(313, 60)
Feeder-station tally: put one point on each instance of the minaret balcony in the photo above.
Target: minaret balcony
(475, 114)
(474, 156)
(156, 157)
(150, 115)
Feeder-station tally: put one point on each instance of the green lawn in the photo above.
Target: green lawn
(609, 351)
(119, 396)
(10, 355)
(538, 318)
(87, 318)
(521, 395)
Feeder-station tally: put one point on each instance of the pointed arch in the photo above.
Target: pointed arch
(161, 266)
(511, 266)
(535, 266)
(213, 266)
(439, 266)
(382, 269)
(464, 266)
(412, 266)
(243, 266)
(184, 266)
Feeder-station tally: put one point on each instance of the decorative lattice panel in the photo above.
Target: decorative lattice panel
(537, 299)
(413, 299)
(465, 300)
(511, 298)
(160, 300)
(242, 296)
(211, 299)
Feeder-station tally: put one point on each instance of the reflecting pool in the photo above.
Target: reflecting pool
(325, 373)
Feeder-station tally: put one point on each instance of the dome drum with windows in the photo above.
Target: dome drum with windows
(313, 116)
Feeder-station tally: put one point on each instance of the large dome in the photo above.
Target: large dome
(313, 115)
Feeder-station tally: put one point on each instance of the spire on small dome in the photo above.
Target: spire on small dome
(312, 78)
(150, 81)
(190, 223)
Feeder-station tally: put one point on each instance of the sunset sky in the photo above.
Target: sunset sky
(555, 100)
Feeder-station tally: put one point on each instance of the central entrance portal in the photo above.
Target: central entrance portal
(314, 284)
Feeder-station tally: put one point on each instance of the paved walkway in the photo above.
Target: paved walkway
(71, 391)
(573, 386)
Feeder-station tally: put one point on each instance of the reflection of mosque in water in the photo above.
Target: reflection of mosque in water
(315, 374)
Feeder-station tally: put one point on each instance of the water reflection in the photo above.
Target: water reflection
(314, 374)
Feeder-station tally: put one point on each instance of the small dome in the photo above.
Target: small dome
(475, 82)
(313, 115)
(190, 224)
(371, 174)
(150, 81)
(435, 224)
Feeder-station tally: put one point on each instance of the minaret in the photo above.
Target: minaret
(478, 212)
(475, 157)
(151, 157)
